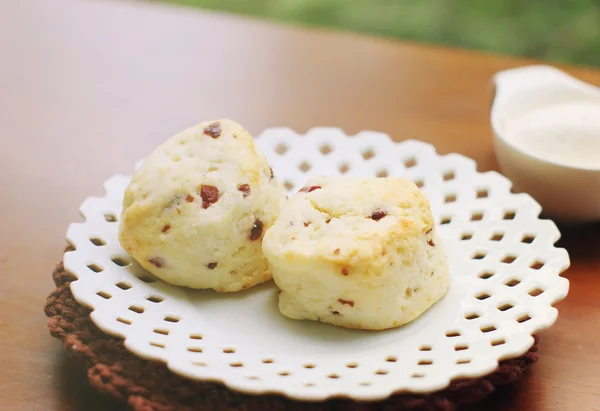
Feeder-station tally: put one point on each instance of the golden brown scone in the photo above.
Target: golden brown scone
(195, 211)
(357, 253)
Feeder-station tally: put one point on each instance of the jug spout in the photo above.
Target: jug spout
(512, 82)
(522, 89)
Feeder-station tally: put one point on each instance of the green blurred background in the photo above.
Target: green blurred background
(554, 30)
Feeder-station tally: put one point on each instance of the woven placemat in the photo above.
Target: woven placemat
(149, 386)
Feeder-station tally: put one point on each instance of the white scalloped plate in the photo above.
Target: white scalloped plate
(504, 267)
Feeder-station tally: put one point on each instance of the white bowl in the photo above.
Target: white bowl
(567, 192)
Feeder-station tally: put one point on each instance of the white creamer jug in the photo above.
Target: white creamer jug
(547, 139)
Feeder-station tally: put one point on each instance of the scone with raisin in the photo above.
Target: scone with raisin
(357, 253)
(195, 211)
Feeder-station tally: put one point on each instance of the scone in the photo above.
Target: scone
(195, 211)
(357, 253)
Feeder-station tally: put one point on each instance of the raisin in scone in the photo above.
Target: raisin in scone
(195, 212)
(357, 253)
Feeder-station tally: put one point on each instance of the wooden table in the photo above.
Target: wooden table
(89, 87)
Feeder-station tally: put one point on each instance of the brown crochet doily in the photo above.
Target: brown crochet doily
(149, 386)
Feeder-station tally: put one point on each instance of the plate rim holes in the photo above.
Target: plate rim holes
(381, 372)
(236, 364)
(446, 220)
(138, 309)
(120, 261)
(104, 294)
(352, 365)
(382, 173)
(486, 274)
(343, 167)
(477, 215)
(195, 349)
(537, 264)
(505, 307)
(124, 285)
(450, 198)
(417, 375)
(124, 321)
(509, 215)
(110, 218)
(449, 175)
(509, 259)
(97, 241)
(309, 366)
(425, 361)
(461, 361)
(325, 149)
(146, 278)
(482, 193)
(497, 342)
(512, 282)
(391, 358)
(71, 246)
(425, 348)
(528, 238)
(95, 267)
(420, 183)
(537, 291)
(488, 328)
(196, 336)
(453, 333)
(228, 350)
(288, 185)
(497, 236)
(284, 373)
(410, 162)
(523, 318)
(154, 298)
(161, 331)
(172, 319)
(267, 360)
(157, 344)
(466, 236)
(368, 153)
(479, 255)
(472, 316)
(304, 166)
(483, 296)
(281, 148)
(461, 347)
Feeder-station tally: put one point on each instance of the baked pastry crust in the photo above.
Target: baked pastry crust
(357, 253)
(195, 211)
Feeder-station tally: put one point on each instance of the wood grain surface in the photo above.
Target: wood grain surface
(87, 87)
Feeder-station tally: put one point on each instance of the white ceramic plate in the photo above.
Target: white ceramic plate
(504, 267)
